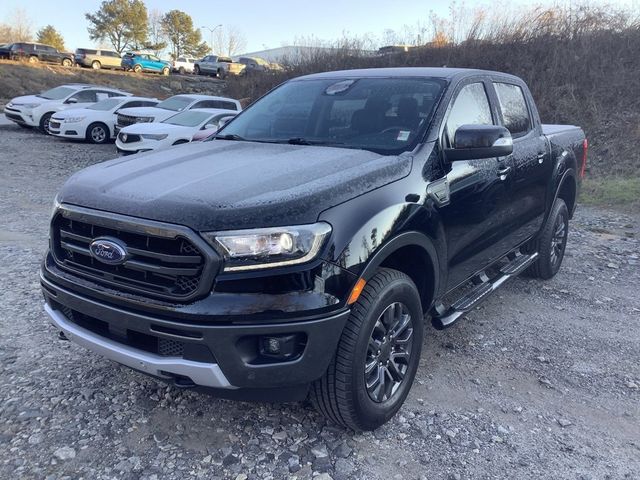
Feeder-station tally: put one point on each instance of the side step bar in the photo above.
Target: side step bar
(444, 317)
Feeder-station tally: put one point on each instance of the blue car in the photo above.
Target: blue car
(145, 62)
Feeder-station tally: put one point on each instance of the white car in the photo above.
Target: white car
(171, 106)
(95, 123)
(175, 130)
(36, 110)
(183, 65)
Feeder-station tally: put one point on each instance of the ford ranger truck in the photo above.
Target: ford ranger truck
(299, 253)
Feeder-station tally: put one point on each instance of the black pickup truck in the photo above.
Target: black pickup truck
(299, 253)
(36, 52)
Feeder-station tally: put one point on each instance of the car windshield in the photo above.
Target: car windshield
(190, 118)
(57, 93)
(177, 104)
(384, 115)
(106, 104)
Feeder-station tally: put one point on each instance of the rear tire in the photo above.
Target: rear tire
(66, 62)
(137, 68)
(33, 59)
(165, 71)
(377, 357)
(551, 243)
(181, 71)
(97, 133)
(196, 70)
(96, 65)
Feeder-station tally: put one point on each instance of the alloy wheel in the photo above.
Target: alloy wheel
(98, 135)
(388, 352)
(558, 240)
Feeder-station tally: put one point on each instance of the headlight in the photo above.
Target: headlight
(144, 119)
(29, 105)
(154, 136)
(269, 247)
(74, 119)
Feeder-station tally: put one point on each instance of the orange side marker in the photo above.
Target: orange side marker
(357, 290)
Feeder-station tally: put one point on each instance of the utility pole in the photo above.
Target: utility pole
(211, 30)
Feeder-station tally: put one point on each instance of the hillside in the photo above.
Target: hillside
(22, 78)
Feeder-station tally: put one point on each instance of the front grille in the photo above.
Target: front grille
(165, 266)
(128, 138)
(126, 120)
(13, 116)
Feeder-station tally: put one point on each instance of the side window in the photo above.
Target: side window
(513, 105)
(471, 106)
(131, 104)
(85, 96)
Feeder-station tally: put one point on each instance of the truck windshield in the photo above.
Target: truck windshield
(57, 93)
(384, 115)
(190, 118)
(177, 104)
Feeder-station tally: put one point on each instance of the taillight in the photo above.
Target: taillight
(585, 148)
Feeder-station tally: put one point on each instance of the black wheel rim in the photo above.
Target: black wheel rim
(45, 124)
(558, 240)
(388, 352)
(98, 134)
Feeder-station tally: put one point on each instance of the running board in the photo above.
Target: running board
(444, 317)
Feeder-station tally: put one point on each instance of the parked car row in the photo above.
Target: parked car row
(101, 114)
(215, 65)
(35, 52)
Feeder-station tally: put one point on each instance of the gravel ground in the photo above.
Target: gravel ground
(541, 381)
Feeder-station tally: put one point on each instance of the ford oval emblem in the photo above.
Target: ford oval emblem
(108, 250)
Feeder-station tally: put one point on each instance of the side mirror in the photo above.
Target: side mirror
(224, 120)
(209, 126)
(72, 100)
(480, 141)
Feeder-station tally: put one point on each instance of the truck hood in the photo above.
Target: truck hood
(226, 185)
(156, 113)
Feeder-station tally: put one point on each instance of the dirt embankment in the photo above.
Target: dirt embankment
(23, 79)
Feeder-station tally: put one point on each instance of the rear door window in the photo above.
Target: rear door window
(515, 114)
(471, 106)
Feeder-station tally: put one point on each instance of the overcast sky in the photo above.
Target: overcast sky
(265, 24)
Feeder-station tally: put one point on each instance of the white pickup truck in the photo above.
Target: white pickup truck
(183, 65)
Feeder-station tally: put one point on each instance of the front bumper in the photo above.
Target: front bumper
(59, 128)
(18, 115)
(222, 355)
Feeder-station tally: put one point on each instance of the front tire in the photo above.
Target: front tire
(551, 243)
(33, 59)
(181, 71)
(137, 68)
(196, 70)
(97, 133)
(44, 123)
(96, 65)
(377, 357)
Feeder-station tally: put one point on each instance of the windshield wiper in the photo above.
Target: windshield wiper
(304, 141)
(231, 136)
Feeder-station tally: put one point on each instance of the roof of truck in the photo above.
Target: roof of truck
(438, 72)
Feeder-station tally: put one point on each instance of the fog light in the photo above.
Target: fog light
(282, 347)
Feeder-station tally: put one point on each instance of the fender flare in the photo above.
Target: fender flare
(405, 239)
(569, 175)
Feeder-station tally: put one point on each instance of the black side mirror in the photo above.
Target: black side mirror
(480, 141)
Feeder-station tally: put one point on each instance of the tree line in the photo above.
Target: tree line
(128, 25)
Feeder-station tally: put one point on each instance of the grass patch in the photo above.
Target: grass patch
(613, 191)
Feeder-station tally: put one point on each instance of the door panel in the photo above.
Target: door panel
(531, 160)
(477, 216)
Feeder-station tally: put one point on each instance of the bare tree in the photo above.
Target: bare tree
(229, 41)
(156, 41)
(18, 27)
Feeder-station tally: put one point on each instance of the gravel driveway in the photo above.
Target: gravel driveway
(541, 381)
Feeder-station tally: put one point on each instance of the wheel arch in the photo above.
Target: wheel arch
(414, 254)
(567, 190)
